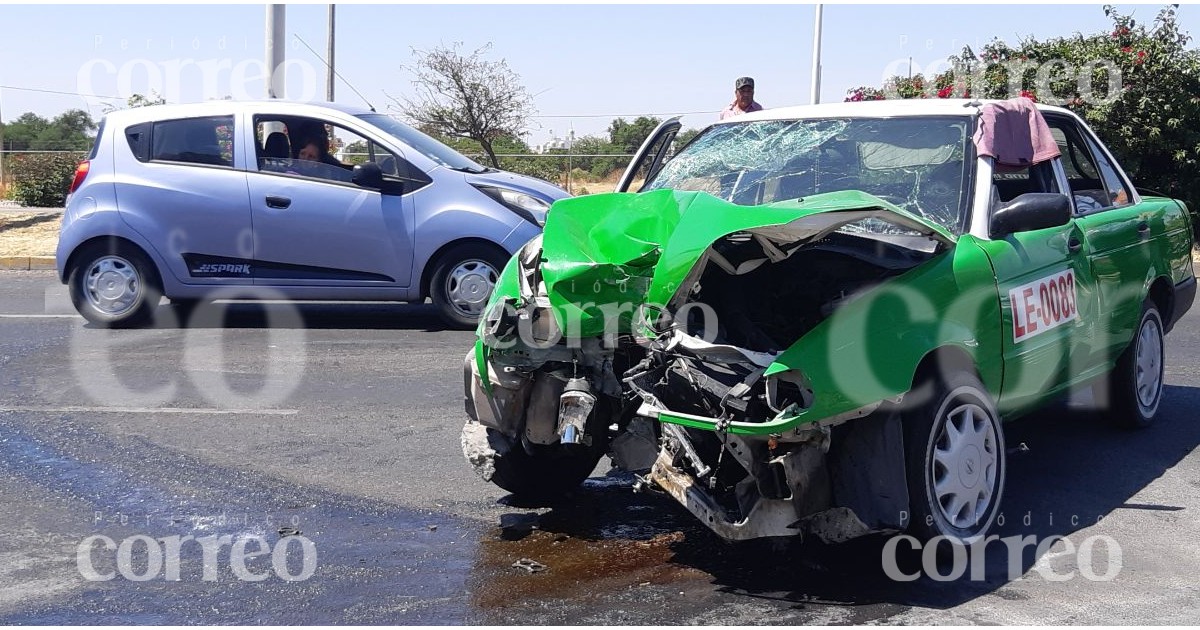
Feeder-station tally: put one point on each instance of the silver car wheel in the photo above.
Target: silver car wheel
(964, 466)
(469, 285)
(1149, 359)
(112, 285)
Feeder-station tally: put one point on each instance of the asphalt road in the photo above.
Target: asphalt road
(339, 423)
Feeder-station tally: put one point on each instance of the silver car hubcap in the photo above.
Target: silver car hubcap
(964, 466)
(469, 285)
(1149, 364)
(112, 285)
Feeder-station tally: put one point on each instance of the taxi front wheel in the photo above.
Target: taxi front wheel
(954, 459)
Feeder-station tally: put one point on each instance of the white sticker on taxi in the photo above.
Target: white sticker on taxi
(1043, 305)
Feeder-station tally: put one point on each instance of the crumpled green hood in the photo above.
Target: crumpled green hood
(611, 253)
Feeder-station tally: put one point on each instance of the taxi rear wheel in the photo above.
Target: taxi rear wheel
(1136, 383)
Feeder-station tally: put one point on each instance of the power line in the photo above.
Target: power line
(633, 115)
(45, 91)
(714, 111)
(335, 72)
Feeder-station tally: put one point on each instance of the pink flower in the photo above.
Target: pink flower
(1029, 95)
(945, 92)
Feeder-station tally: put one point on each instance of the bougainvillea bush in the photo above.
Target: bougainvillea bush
(1136, 84)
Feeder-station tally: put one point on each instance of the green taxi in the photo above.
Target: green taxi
(815, 320)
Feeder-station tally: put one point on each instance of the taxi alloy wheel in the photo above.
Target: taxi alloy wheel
(955, 461)
(1136, 383)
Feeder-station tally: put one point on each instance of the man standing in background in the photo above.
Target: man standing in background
(743, 99)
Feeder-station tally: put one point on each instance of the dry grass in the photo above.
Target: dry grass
(29, 234)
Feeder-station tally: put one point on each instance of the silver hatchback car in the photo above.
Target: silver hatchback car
(286, 200)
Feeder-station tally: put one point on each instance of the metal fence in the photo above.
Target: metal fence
(577, 173)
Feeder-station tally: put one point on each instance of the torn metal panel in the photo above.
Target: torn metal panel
(636, 448)
(605, 255)
(767, 518)
(867, 470)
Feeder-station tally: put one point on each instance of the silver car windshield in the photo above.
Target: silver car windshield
(916, 163)
(422, 143)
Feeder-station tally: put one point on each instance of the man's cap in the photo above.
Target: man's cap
(742, 82)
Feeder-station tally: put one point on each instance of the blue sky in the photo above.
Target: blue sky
(584, 64)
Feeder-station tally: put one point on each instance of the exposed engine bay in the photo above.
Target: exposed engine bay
(751, 295)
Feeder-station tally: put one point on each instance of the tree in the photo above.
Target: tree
(69, 131)
(630, 136)
(685, 136)
(598, 167)
(141, 100)
(138, 100)
(467, 96)
(1137, 86)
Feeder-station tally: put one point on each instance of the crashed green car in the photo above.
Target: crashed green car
(814, 320)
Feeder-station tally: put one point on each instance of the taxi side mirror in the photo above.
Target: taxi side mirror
(1030, 211)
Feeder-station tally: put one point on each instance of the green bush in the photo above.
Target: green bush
(42, 179)
(549, 169)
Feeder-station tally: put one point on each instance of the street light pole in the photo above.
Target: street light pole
(329, 60)
(276, 49)
(816, 67)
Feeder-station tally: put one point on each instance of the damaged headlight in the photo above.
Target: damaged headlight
(788, 389)
(533, 323)
(500, 323)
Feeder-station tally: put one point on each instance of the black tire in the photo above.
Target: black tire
(184, 307)
(544, 477)
(1135, 385)
(943, 482)
(462, 281)
(114, 285)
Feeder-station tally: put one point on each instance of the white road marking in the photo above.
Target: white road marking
(38, 316)
(202, 410)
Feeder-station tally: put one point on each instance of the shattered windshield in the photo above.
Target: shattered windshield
(915, 163)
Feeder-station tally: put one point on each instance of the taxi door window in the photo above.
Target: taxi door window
(1094, 183)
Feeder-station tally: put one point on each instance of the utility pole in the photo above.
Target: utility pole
(1, 151)
(816, 67)
(276, 50)
(329, 60)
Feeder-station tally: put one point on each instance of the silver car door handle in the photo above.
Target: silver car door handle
(280, 203)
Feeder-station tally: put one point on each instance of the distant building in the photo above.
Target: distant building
(555, 143)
